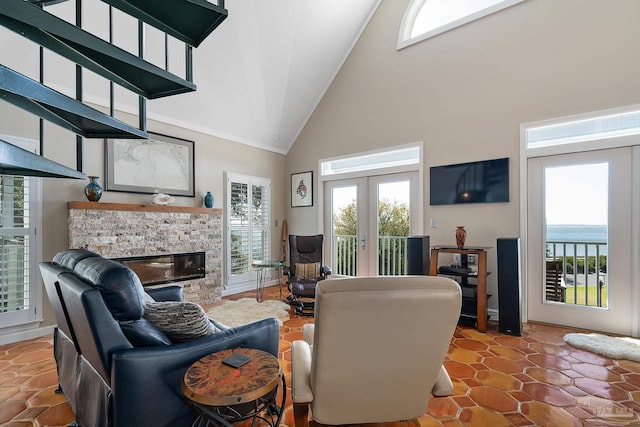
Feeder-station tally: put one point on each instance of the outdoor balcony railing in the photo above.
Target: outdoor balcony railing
(584, 264)
(392, 255)
(584, 271)
(343, 256)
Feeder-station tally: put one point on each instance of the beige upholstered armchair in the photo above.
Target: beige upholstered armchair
(376, 350)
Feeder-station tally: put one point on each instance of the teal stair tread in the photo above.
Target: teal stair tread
(188, 20)
(16, 161)
(60, 109)
(91, 52)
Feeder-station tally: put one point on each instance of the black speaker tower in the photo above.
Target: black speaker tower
(509, 285)
(418, 255)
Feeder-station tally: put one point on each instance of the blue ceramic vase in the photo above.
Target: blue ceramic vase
(208, 200)
(93, 190)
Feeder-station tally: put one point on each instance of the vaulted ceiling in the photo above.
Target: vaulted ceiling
(261, 73)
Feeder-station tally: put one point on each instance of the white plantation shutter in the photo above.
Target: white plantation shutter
(239, 228)
(14, 243)
(260, 221)
(248, 232)
(20, 285)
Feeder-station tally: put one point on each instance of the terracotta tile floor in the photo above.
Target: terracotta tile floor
(500, 380)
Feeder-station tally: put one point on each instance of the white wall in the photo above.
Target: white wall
(466, 92)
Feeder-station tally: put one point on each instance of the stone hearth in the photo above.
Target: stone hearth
(118, 230)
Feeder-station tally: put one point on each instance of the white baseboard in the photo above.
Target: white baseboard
(244, 287)
(26, 335)
(493, 314)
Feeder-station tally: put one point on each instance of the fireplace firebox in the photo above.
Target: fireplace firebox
(160, 269)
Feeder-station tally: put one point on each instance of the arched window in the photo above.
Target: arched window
(427, 18)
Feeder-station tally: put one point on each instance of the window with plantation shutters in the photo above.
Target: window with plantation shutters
(248, 232)
(14, 243)
(17, 259)
(20, 285)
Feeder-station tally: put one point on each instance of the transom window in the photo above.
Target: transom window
(428, 18)
(399, 159)
(593, 126)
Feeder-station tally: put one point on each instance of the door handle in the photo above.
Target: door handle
(362, 241)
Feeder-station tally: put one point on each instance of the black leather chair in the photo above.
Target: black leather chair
(306, 268)
(115, 367)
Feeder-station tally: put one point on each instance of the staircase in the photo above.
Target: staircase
(189, 21)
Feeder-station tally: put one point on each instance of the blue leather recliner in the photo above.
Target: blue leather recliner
(111, 367)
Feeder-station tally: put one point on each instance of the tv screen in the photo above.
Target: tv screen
(485, 181)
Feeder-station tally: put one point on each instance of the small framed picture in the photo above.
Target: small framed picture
(301, 189)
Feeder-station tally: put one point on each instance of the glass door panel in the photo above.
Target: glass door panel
(392, 227)
(344, 230)
(579, 245)
(577, 233)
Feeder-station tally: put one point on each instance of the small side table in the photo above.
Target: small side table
(262, 266)
(222, 395)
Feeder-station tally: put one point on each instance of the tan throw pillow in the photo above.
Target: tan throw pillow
(309, 270)
(179, 320)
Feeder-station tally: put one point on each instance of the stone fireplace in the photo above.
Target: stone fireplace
(136, 232)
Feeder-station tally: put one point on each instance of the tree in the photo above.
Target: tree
(393, 221)
(345, 221)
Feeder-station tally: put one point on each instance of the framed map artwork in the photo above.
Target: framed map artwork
(301, 189)
(160, 164)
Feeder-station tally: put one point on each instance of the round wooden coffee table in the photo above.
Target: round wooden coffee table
(222, 395)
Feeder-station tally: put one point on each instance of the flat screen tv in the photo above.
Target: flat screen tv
(485, 181)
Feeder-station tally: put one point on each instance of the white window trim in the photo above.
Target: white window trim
(410, 14)
(250, 283)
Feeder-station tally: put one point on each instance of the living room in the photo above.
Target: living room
(464, 93)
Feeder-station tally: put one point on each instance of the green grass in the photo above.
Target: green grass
(592, 290)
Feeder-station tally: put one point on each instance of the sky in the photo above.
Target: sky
(577, 194)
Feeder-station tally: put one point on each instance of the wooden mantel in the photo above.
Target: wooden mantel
(140, 208)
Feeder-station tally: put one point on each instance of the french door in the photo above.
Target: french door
(579, 242)
(367, 222)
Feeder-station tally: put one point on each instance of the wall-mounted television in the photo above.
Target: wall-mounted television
(486, 181)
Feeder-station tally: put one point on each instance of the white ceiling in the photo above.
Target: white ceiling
(261, 73)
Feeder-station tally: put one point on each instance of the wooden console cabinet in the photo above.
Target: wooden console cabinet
(481, 294)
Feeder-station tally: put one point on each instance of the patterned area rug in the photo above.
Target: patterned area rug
(247, 310)
(613, 347)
